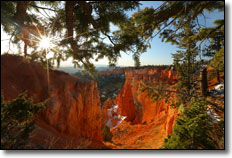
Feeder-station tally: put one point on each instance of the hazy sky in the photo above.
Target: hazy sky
(159, 53)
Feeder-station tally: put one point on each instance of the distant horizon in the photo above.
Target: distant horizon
(99, 67)
(102, 65)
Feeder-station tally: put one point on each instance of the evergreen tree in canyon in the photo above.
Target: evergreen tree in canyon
(185, 63)
(216, 48)
(17, 121)
(178, 23)
(194, 129)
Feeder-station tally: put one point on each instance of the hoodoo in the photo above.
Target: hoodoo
(137, 107)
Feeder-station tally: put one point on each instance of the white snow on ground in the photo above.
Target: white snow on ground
(219, 86)
(114, 109)
(218, 89)
(109, 123)
(211, 112)
(118, 122)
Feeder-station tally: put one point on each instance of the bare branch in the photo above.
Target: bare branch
(109, 38)
(43, 8)
(10, 42)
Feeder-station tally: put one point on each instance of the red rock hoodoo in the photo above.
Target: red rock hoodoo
(138, 108)
(73, 106)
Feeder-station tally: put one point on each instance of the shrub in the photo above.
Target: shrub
(106, 134)
(194, 129)
(17, 121)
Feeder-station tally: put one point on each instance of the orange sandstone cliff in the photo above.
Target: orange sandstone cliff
(143, 116)
(73, 108)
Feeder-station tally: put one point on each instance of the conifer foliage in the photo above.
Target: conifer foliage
(177, 22)
(82, 29)
(17, 121)
(194, 129)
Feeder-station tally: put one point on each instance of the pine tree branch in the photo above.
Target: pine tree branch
(87, 8)
(43, 8)
(109, 38)
(9, 49)
(206, 37)
(185, 94)
(69, 7)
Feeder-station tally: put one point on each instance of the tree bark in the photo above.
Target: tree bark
(25, 49)
(69, 8)
(87, 8)
(21, 9)
(204, 82)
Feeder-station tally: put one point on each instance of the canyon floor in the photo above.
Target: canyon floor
(139, 136)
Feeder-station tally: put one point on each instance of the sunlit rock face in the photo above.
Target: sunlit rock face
(73, 107)
(136, 106)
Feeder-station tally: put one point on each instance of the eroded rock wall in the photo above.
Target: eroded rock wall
(137, 106)
(73, 106)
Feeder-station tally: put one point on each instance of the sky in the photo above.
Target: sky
(158, 54)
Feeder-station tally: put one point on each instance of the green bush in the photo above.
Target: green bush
(17, 121)
(106, 134)
(194, 129)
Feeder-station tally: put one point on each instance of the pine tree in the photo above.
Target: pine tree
(218, 62)
(215, 49)
(82, 29)
(177, 23)
(194, 129)
(106, 134)
(17, 121)
(185, 62)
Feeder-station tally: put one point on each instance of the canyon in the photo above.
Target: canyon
(147, 122)
(73, 111)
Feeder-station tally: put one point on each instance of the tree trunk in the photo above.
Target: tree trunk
(21, 9)
(25, 49)
(69, 7)
(87, 8)
(204, 82)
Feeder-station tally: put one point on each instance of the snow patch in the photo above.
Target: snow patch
(219, 86)
(214, 116)
(218, 89)
(113, 115)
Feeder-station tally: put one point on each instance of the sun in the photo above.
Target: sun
(45, 42)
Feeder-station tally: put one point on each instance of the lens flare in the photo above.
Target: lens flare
(45, 42)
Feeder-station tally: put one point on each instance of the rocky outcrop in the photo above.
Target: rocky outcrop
(137, 106)
(73, 105)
